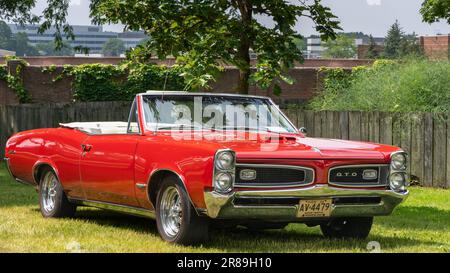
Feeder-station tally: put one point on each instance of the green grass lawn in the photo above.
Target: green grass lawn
(421, 224)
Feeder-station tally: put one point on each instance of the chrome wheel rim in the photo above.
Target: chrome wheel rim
(171, 211)
(49, 192)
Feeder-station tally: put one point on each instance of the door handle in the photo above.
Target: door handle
(86, 147)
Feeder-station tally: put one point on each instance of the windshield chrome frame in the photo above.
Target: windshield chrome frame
(183, 94)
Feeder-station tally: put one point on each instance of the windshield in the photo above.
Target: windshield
(213, 112)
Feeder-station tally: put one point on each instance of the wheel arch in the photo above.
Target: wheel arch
(155, 180)
(39, 167)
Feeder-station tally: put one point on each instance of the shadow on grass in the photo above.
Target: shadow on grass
(294, 238)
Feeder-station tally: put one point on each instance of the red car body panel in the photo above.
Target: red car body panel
(115, 164)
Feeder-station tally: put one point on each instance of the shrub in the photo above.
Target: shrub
(100, 82)
(405, 86)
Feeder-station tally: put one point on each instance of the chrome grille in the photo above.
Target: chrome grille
(273, 175)
(352, 176)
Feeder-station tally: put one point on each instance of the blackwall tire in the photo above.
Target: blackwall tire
(176, 218)
(53, 201)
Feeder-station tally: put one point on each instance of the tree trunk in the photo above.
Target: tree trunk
(244, 76)
(245, 7)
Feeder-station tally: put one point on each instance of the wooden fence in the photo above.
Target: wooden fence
(424, 136)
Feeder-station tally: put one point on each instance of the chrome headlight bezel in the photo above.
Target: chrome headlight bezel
(399, 161)
(400, 183)
(224, 160)
(399, 171)
(220, 170)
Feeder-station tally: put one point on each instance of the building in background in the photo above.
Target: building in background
(4, 53)
(132, 39)
(436, 47)
(91, 37)
(315, 48)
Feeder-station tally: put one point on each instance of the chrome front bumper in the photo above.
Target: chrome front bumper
(222, 206)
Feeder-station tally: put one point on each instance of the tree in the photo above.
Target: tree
(113, 47)
(409, 45)
(21, 47)
(5, 36)
(49, 49)
(393, 41)
(398, 44)
(204, 35)
(434, 10)
(300, 43)
(372, 52)
(342, 47)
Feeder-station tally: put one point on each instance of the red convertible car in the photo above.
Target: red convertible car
(192, 160)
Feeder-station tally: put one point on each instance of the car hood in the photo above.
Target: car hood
(294, 146)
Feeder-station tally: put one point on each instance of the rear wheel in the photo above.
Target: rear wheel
(52, 199)
(176, 218)
(354, 227)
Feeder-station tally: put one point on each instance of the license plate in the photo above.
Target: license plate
(314, 208)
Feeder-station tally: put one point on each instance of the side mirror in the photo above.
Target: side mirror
(303, 131)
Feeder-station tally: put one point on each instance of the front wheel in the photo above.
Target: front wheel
(353, 227)
(176, 218)
(52, 199)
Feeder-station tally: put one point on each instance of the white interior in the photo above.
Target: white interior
(98, 128)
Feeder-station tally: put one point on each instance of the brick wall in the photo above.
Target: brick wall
(60, 61)
(436, 47)
(43, 90)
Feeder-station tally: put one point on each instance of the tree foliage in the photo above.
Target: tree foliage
(372, 52)
(49, 49)
(55, 14)
(203, 35)
(342, 47)
(21, 46)
(5, 35)
(434, 10)
(113, 47)
(398, 44)
(393, 41)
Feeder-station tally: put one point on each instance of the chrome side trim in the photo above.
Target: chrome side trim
(288, 185)
(141, 185)
(115, 207)
(362, 185)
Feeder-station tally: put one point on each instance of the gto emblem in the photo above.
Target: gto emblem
(247, 174)
(370, 174)
(347, 174)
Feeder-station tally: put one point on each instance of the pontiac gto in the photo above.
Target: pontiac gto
(192, 160)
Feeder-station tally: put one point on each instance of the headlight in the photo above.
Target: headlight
(397, 181)
(223, 182)
(398, 161)
(224, 170)
(225, 160)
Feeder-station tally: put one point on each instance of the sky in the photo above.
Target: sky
(368, 16)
